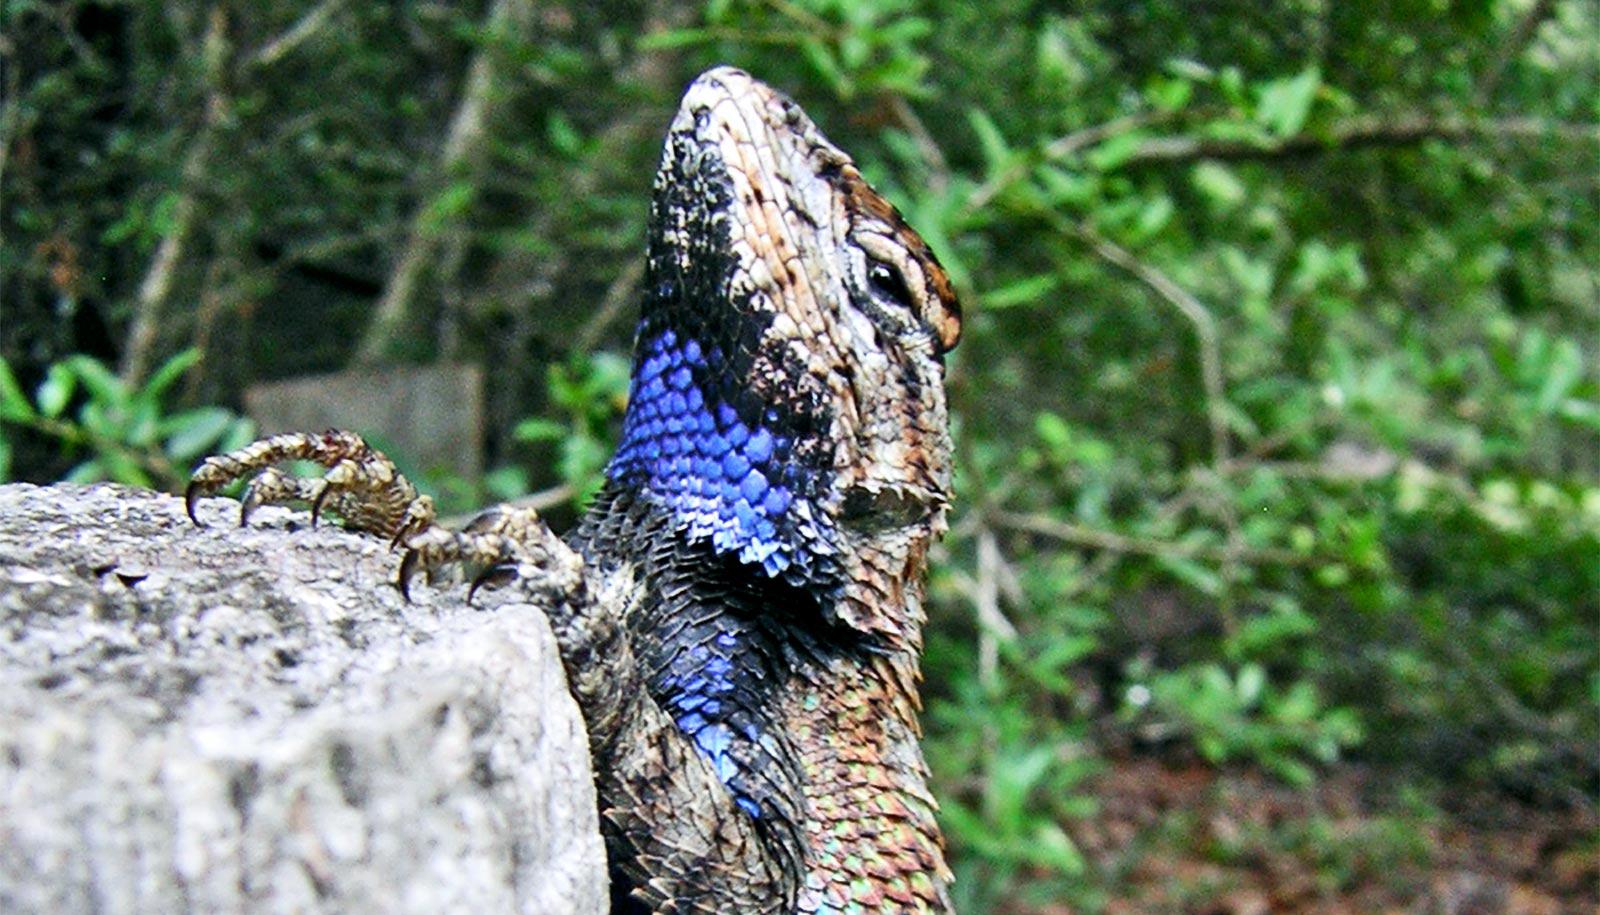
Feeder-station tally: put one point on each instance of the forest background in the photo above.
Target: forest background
(1274, 574)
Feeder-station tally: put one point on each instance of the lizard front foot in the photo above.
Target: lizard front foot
(365, 488)
(498, 543)
(362, 485)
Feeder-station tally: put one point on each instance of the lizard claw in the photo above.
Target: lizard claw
(419, 517)
(318, 502)
(494, 543)
(408, 568)
(498, 574)
(252, 498)
(191, 496)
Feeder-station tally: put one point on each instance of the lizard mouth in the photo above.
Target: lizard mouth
(873, 510)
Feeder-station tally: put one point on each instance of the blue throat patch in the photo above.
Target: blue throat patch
(726, 478)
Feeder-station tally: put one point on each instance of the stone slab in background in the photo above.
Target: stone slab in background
(252, 720)
(432, 415)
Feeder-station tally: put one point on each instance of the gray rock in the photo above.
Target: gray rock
(227, 720)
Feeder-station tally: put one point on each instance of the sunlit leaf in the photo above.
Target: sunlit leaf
(197, 432)
(103, 385)
(170, 371)
(14, 404)
(1285, 103)
(1026, 291)
(55, 392)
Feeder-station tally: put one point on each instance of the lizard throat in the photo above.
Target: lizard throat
(729, 470)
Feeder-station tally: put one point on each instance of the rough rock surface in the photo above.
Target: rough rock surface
(227, 720)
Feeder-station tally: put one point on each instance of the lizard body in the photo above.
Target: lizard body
(741, 619)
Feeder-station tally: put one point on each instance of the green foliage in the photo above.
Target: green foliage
(1241, 716)
(124, 434)
(592, 391)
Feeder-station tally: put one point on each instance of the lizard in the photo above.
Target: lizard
(740, 610)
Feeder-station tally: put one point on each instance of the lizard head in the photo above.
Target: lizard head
(788, 398)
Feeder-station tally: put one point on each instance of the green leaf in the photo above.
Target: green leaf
(164, 214)
(1285, 103)
(1024, 291)
(506, 483)
(122, 468)
(90, 471)
(1193, 573)
(1230, 83)
(539, 429)
(55, 392)
(5, 459)
(1219, 184)
(169, 372)
(563, 135)
(1153, 217)
(1113, 152)
(194, 432)
(1562, 374)
(991, 142)
(853, 50)
(448, 205)
(1581, 412)
(98, 419)
(1064, 188)
(14, 404)
(827, 66)
(1293, 772)
(1052, 847)
(670, 39)
(143, 418)
(240, 434)
(1054, 431)
(1333, 575)
(104, 387)
(1251, 683)
(1192, 70)
(581, 460)
(1169, 94)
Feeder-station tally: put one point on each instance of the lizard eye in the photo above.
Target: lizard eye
(888, 282)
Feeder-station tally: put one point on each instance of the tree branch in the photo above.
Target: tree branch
(1359, 134)
(993, 627)
(1511, 49)
(307, 26)
(10, 118)
(618, 296)
(1054, 151)
(1205, 327)
(1095, 538)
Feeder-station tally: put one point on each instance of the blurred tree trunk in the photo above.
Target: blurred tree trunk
(158, 280)
(454, 177)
